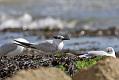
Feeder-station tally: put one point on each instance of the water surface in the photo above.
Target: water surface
(78, 43)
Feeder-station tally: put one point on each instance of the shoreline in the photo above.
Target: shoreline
(112, 31)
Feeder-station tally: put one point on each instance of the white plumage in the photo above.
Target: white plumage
(109, 52)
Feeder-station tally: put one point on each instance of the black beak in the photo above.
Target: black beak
(66, 38)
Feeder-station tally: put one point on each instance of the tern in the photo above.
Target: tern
(109, 52)
(53, 45)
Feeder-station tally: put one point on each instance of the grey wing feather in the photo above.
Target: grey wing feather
(86, 55)
(6, 48)
(97, 53)
(47, 47)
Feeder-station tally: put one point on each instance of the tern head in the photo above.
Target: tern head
(62, 37)
(110, 51)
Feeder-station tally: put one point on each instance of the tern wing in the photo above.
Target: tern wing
(97, 53)
(25, 44)
(45, 46)
(84, 56)
(93, 53)
(7, 48)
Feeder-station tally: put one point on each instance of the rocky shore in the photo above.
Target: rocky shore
(112, 31)
(106, 69)
(35, 67)
(10, 65)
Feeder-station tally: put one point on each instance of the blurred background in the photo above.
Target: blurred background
(92, 24)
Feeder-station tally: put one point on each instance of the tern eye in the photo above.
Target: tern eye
(109, 50)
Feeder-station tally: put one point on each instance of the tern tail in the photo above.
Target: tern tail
(25, 44)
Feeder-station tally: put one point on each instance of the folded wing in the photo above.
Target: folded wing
(46, 46)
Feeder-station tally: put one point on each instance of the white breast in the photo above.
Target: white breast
(61, 45)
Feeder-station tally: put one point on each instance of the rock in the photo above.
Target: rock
(41, 74)
(107, 69)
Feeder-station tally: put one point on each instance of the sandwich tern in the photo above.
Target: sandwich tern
(53, 45)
